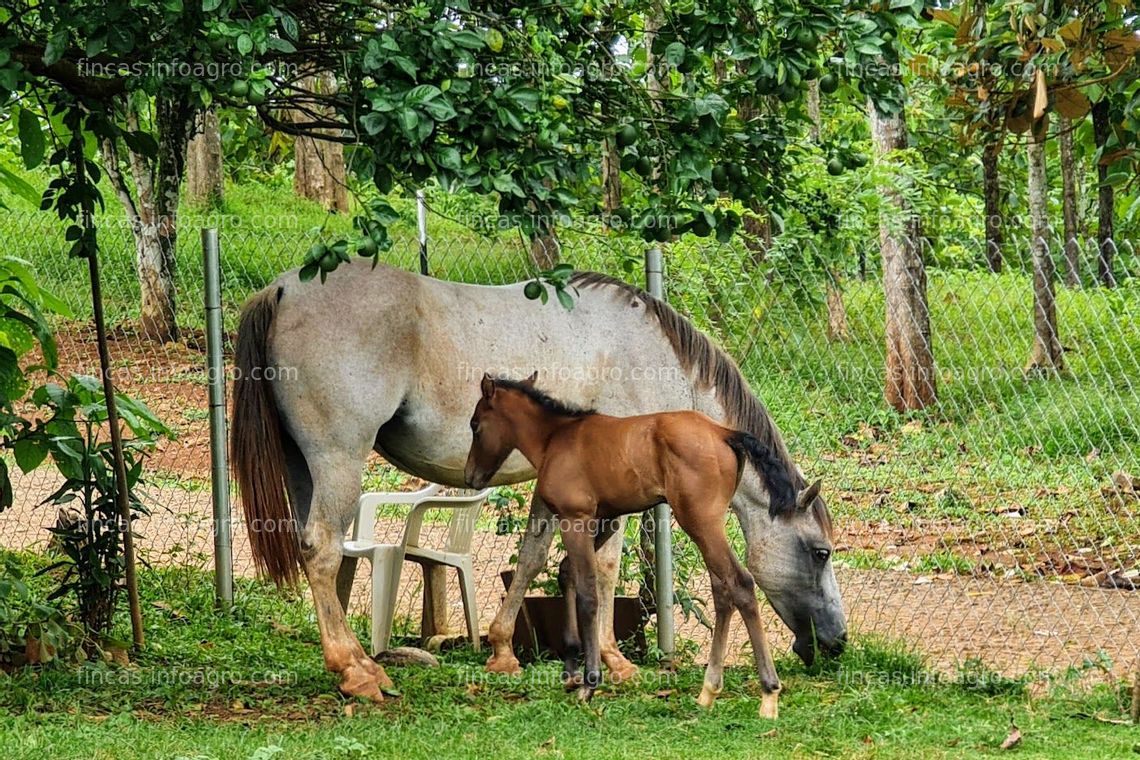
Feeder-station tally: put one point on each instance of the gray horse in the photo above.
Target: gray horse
(382, 359)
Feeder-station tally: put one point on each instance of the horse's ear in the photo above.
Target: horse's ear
(487, 385)
(530, 381)
(807, 496)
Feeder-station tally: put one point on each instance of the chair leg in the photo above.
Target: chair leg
(470, 611)
(386, 566)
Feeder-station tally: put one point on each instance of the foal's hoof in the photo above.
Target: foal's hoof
(770, 706)
(503, 663)
(708, 696)
(572, 681)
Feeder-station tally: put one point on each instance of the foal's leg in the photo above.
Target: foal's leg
(532, 556)
(707, 531)
(571, 640)
(579, 542)
(608, 548)
(714, 671)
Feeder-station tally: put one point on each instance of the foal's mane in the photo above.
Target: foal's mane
(714, 370)
(548, 403)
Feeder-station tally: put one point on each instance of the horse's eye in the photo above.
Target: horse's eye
(822, 555)
(474, 426)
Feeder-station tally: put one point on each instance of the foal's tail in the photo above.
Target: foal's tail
(770, 466)
(257, 450)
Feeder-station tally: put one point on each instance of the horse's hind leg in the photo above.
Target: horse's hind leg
(608, 548)
(571, 641)
(532, 556)
(336, 489)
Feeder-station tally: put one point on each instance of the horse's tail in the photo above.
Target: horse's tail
(257, 450)
(769, 465)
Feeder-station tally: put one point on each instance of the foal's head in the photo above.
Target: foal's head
(493, 435)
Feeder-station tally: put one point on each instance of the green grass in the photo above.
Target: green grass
(250, 685)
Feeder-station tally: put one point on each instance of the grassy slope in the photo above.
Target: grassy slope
(200, 691)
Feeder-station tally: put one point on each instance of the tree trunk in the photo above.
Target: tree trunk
(910, 379)
(153, 214)
(1106, 246)
(545, 250)
(204, 174)
(1069, 206)
(318, 165)
(813, 109)
(836, 310)
(611, 178)
(1046, 356)
(991, 182)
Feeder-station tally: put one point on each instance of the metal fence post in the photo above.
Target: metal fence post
(216, 376)
(662, 515)
(421, 223)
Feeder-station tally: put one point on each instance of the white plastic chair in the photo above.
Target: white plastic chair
(388, 559)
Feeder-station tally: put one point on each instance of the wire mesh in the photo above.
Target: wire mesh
(999, 524)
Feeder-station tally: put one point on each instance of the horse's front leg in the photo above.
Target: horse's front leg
(578, 537)
(608, 547)
(571, 640)
(532, 556)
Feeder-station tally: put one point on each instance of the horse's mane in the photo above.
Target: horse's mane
(714, 370)
(548, 403)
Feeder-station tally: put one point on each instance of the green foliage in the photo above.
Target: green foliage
(32, 629)
(89, 530)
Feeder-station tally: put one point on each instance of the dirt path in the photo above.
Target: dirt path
(1010, 626)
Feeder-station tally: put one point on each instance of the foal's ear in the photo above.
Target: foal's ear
(487, 385)
(530, 381)
(807, 496)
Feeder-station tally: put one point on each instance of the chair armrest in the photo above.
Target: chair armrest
(416, 517)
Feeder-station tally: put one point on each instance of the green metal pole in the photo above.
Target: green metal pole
(219, 467)
(662, 515)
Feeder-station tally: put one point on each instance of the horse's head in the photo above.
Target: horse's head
(492, 431)
(795, 570)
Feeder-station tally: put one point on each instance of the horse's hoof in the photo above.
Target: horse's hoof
(770, 706)
(708, 696)
(358, 682)
(585, 693)
(621, 669)
(503, 663)
(572, 680)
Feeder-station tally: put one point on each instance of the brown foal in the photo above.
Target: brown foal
(593, 468)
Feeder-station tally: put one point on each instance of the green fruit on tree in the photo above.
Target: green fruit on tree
(533, 290)
(720, 178)
(644, 166)
(329, 261)
(240, 88)
(765, 85)
(315, 253)
(256, 96)
(628, 161)
(368, 247)
(812, 72)
(805, 38)
(626, 136)
(735, 171)
(828, 83)
(661, 231)
(700, 227)
(834, 167)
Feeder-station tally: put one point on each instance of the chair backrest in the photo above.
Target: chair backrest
(364, 526)
(461, 526)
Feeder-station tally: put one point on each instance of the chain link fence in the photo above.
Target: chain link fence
(998, 526)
